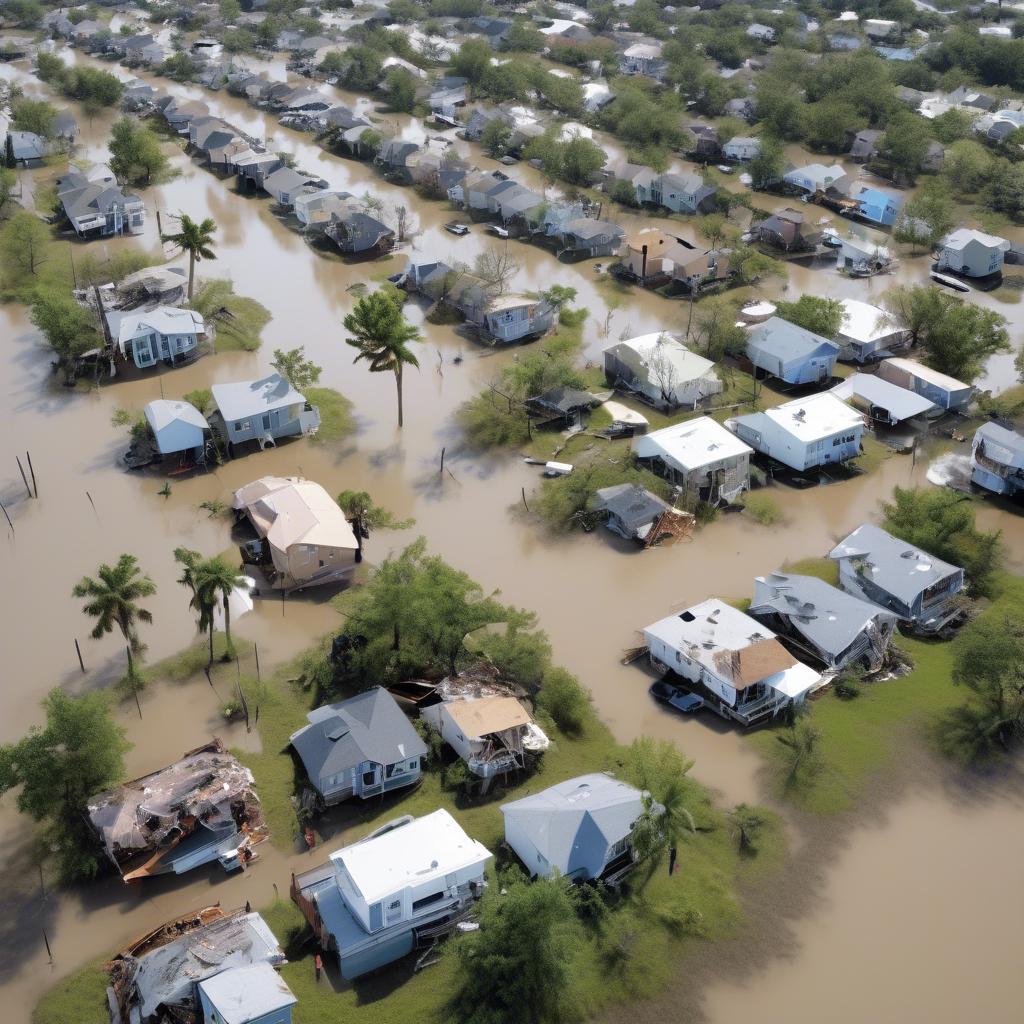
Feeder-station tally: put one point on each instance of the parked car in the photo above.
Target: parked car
(724, 168)
(676, 697)
(496, 229)
(457, 228)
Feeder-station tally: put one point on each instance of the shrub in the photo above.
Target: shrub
(563, 697)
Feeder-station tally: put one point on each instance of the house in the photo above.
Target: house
(513, 317)
(947, 393)
(876, 205)
(306, 539)
(862, 258)
(29, 149)
(865, 145)
(363, 746)
(805, 434)
(868, 333)
(143, 49)
(634, 513)
(255, 167)
(316, 209)
(662, 370)
(778, 348)
(210, 965)
(742, 107)
(880, 28)
(491, 733)
(580, 829)
(493, 30)
(741, 148)
(561, 406)
(356, 233)
(997, 459)
(200, 809)
(650, 255)
(704, 142)
(373, 900)
(818, 178)
(885, 403)
(788, 230)
(971, 253)
(519, 204)
(683, 193)
(285, 184)
(94, 204)
(585, 237)
(643, 58)
(917, 587)
(263, 410)
(65, 128)
(165, 334)
(179, 112)
(734, 662)
(700, 456)
(837, 628)
(177, 427)
(481, 118)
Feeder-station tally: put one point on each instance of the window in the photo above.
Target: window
(413, 765)
(370, 777)
(426, 901)
(393, 769)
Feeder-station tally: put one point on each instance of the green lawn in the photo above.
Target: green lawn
(336, 419)
(80, 998)
(862, 736)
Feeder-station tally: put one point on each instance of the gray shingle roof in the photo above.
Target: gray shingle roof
(367, 727)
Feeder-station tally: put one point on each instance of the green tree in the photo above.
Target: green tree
(195, 238)
(989, 654)
(1005, 190)
(826, 125)
(363, 69)
(400, 88)
(210, 580)
(660, 771)
(8, 182)
(747, 823)
(293, 365)
(952, 125)
(68, 327)
(517, 968)
(382, 336)
(927, 216)
(24, 246)
(966, 166)
(714, 330)
(564, 698)
(472, 60)
(766, 168)
(802, 757)
(56, 769)
(752, 265)
(905, 144)
(112, 598)
(495, 137)
(33, 116)
(136, 156)
(413, 615)
(819, 315)
(10, 160)
(941, 522)
(517, 649)
(581, 160)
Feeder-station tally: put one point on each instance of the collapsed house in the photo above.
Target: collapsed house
(835, 627)
(201, 809)
(581, 829)
(400, 888)
(207, 967)
(491, 733)
(661, 370)
(997, 459)
(634, 513)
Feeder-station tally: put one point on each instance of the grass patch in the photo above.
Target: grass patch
(336, 419)
(239, 320)
(613, 290)
(80, 998)
(1008, 404)
(873, 454)
(822, 568)
(762, 509)
(859, 737)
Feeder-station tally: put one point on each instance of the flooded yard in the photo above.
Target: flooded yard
(930, 872)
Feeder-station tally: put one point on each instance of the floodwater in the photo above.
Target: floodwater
(590, 592)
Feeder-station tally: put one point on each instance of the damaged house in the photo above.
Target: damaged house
(837, 628)
(200, 809)
(661, 370)
(997, 459)
(634, 513)
(207, 967)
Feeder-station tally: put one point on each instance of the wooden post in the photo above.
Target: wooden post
(159, 229)
(256, 651)
(442, 461)
(31, 469)
(49, 952)
(7, 517)
(23, 477)
(527, 507)
(78, 650)
(42, 883)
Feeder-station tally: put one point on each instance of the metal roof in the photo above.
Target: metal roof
(243, 995)
(785, 341)
(900, 403)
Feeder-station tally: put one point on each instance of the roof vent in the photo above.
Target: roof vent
(338, 732)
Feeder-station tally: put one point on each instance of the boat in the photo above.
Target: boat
(949, 282)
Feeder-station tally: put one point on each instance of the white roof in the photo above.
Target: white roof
(162, 320)
(241, 399)
(926, 373)
(295, 511)
(623, 414)
(962, 237)
(691, 444)
(900, 402)
(686, 365)
(245, 994)
(426, 848)
(814, 417)
(163, 413)
(864, 322)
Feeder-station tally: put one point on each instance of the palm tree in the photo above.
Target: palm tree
(112, 599)
(382, 334)
(802, 755)
(195, 238)
(660, 770)
(210, 580)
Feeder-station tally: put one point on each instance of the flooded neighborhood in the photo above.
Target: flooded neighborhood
(511, 513)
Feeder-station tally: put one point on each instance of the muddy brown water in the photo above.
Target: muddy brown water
(896, 904)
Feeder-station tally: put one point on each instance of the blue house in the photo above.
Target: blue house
(780, 349)
(877, 206)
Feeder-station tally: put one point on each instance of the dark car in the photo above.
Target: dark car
(676, 697)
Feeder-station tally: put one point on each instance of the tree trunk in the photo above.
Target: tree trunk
(191, 272)
(209, 664)
(394, 644)
(398, 385)
(227, 629)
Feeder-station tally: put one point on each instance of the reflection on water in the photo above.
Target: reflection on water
(590, 594)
